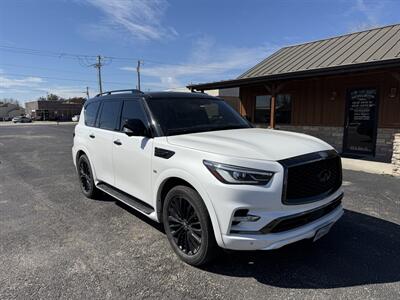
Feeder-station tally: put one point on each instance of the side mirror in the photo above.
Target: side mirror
(135, 127)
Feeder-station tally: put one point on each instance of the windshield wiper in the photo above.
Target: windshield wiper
(227, 127)
(203, 128)
(183, 130)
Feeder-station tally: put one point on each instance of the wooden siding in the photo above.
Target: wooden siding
(321, 101)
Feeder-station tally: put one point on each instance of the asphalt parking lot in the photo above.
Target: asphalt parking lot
(55, 243)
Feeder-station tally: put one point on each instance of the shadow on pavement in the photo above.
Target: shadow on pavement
(359, 250)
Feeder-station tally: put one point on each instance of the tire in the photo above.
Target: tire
(188, 226)
(85, 176)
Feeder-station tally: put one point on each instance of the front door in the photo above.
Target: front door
(132, 155)
(361, 122)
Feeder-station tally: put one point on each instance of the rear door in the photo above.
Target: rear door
(132, 155)
(85, 133)
(102, 135)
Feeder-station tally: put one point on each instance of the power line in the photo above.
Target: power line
(50, 69)
(66, 79)
(100, 62)
(43, 52)
(86, 57)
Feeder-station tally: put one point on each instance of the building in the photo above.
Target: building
(10, 110)
(62, 110)
(344, 90)
(231, 96)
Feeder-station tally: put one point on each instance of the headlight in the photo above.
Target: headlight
(238, 175)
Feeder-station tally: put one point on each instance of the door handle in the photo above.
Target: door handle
(92, 136)
(117, 142)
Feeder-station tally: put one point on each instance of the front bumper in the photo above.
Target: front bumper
(277, 240)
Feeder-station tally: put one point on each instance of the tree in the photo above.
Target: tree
(79, 100)
(9, 100)
(53, 97)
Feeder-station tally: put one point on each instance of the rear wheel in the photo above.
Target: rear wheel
(188, 226)
(86, 177)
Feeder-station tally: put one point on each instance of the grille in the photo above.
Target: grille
(294, 221)
(312, 180)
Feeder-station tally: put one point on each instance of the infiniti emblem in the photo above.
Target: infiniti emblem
(324, 175)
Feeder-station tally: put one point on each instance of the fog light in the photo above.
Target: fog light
(242, 215)
(248, 218)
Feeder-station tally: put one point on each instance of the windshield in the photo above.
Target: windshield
(189, 115)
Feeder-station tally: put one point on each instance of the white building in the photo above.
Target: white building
(9, 111)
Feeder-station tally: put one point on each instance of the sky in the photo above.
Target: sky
(50, 46)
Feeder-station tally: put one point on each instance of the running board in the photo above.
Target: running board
(125, 198)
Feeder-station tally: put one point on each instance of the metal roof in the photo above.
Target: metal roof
(360, 47)
(379, 46)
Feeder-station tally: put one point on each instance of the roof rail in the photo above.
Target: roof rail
(133, 91)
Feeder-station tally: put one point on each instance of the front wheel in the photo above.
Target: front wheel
(188, 226)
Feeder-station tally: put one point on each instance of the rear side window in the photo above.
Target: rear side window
(133, 109)
(91, 113)
(109, 116)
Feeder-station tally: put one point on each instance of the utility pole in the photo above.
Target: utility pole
(138, 74)
(98, 66)
(101, 61)
(87, 93)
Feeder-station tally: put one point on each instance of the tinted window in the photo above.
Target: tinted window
(110, 115)
(91, 113)
(188, 115)
(283, 109)
(262, 112)
(133, 110)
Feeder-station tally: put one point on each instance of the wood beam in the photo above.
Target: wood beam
(273, 89)
(273, 107)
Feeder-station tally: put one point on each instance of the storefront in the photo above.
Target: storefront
(344, 90)
(53, 110)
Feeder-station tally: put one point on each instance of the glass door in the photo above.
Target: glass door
(361, 122)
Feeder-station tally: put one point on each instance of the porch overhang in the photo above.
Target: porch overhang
(337, 70)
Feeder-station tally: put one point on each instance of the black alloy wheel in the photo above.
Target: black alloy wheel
(184, 225)
(86, 177)
(188, 226)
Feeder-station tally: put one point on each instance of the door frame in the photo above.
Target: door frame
(346, 115)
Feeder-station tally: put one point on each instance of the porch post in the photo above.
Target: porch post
(273, 89)
(273, 105)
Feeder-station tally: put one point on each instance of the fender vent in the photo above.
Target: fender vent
(163, 153)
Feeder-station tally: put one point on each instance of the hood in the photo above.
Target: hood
(252, 143)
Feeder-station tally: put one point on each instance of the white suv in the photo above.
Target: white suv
(190, 161)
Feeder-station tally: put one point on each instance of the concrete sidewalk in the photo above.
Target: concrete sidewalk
(367, 166)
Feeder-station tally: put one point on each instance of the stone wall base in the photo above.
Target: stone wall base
(396, 155)
(334, 137)
(331, 135)
(384, 143)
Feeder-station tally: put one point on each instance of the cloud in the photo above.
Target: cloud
(30, 81)
(207, 61)
(371, 13)
(141, 18)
